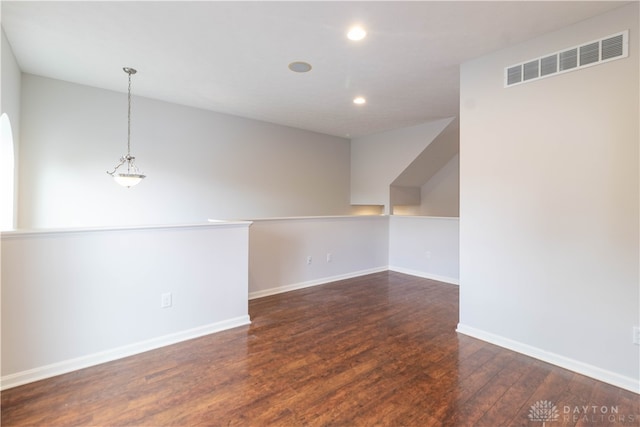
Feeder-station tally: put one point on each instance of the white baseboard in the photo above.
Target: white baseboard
(316, 282)
(627, 383)
(65, 366)
(424, 275)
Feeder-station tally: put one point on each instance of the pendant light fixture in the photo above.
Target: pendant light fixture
(132, 176)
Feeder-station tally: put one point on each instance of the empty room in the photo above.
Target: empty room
(369, 213)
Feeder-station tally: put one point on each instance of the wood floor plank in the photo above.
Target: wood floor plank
(377, 350)
(532, 374)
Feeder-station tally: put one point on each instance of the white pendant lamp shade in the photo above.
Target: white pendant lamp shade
(128, 179)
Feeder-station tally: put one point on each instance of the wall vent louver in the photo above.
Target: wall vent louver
(531, 70)
(514, 75)
(589, 53)
(614, 46)
(595, 52)
(549, 65)
(568, 59)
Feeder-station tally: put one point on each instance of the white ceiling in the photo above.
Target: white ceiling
(232, 57)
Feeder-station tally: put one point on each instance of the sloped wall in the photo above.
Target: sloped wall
(378, 160)
(440, 196)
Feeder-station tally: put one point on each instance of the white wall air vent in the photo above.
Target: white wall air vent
(595, 52)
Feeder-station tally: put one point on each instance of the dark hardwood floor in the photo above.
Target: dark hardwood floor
(378, 350)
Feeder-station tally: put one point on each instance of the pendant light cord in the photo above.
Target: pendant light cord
(129, 119)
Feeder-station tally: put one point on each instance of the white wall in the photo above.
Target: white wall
(10, 89)
(10, 78)
(549, 205)
(199, 164)
(377, 160)
(279, 248)
(87, 296)
(71, 299)
(425, 247)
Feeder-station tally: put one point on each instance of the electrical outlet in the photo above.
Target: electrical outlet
(165, 300)
(329, 257)
(636, 335)
(309, 260)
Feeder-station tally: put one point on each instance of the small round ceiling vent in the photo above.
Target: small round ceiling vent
(300, 67)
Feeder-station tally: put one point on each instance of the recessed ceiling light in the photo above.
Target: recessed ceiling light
(356, 33)
(359, 100)
(300, 67)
